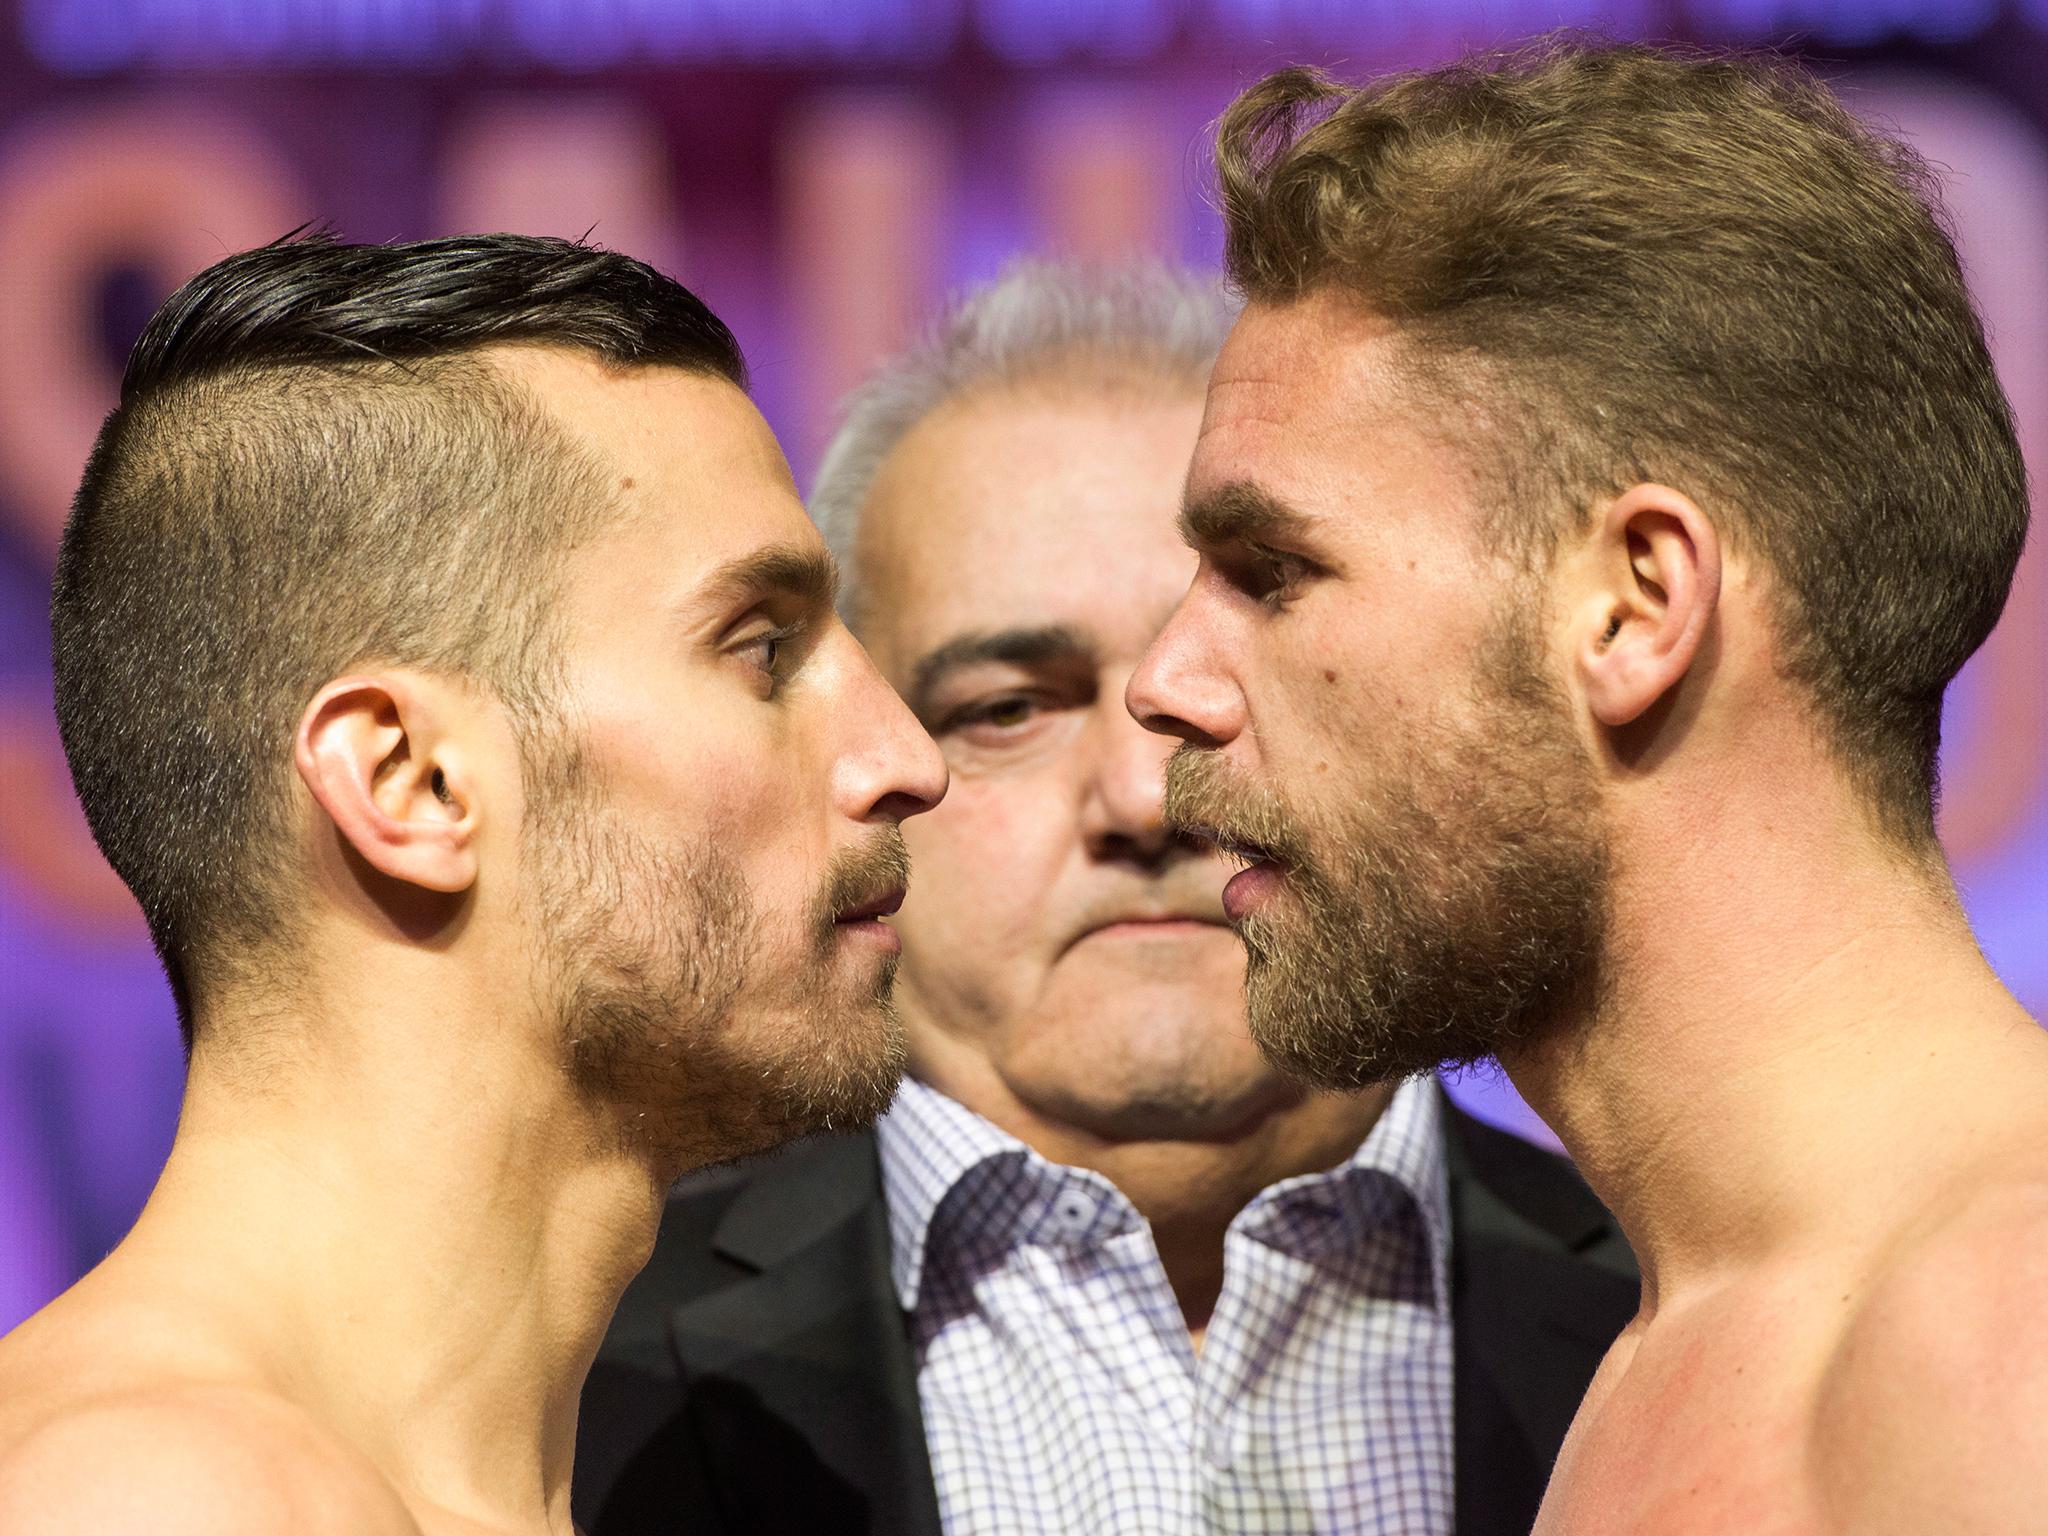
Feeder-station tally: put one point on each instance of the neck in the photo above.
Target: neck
(419, 1234)
(1795, 1033)
(1190, 1187)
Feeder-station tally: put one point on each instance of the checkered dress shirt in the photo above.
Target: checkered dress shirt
(1061, 1391)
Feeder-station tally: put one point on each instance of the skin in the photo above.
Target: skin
(1086, 996)
(365, 1293)
(1817, 1114)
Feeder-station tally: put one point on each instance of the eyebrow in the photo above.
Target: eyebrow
(1237, 513)
(788, 570)
(1023, 647)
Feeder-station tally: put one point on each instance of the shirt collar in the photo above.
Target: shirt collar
(930, 1144)
(1399, 1168)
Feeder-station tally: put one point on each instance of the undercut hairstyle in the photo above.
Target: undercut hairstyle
(1039, 322)
(1612, 264)
(312, 467)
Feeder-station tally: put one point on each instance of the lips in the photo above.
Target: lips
(1140, 917)
(880, 905)
(1154, 919)
(1249, 888)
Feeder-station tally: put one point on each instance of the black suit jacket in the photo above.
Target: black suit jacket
(758, 1376)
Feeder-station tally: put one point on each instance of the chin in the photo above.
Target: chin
(773, 1073)
(1159, 1079)
(839, 1063)
(1178, 1111)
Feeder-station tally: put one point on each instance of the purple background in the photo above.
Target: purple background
(823, 171)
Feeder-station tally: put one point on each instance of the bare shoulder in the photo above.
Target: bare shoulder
(1933, 1414)
(182, 1460)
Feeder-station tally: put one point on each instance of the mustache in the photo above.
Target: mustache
(1243, 820)
(864, 873)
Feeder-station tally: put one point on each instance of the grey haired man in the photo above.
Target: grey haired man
(1101, 1268)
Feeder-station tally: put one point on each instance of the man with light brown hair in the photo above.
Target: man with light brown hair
(1602, 485)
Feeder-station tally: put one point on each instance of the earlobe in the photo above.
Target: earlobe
(369, 751)
(1658, 559)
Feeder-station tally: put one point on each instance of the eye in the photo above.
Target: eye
(1005, 712)
(767, 651)
(1273, 576)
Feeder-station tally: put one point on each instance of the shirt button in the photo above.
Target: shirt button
(1074, 1212)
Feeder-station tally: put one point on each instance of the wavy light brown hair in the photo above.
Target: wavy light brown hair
(1638, 264)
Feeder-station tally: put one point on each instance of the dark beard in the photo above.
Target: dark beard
(658, 975)
(1453, 909)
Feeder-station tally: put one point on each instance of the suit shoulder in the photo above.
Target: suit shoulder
(1526, 1191)
(191, 1460)
(684, 1262)
(727, 1224)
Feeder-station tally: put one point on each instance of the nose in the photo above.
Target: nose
(895, 770)
(1181, 686)
(1123, 808)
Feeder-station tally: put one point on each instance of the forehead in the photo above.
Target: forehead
(1310, 373)
(1310, 402)
(691, 464)
(1041, 505)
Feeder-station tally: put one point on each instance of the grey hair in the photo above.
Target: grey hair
(1035, 321)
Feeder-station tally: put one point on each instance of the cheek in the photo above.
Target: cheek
(1360, 663)
(983, 865)
(689, 748)
(722, 798)
(1324, 692)
(755, 798)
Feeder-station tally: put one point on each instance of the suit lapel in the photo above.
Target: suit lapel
(1541, 1283)
(798, 1377)
(784, 1397)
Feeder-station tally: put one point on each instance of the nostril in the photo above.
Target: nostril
(1165, 724)
(1144, 705)
(1148, 849)
(899, 805)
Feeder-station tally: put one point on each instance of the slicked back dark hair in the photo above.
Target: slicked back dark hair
(1643, 264)
(312, 468)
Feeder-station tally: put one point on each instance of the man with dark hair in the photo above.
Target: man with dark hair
(1603, 483)
(446, 663)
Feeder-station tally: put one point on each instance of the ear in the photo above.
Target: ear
(375, 752)
(1656, 562)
